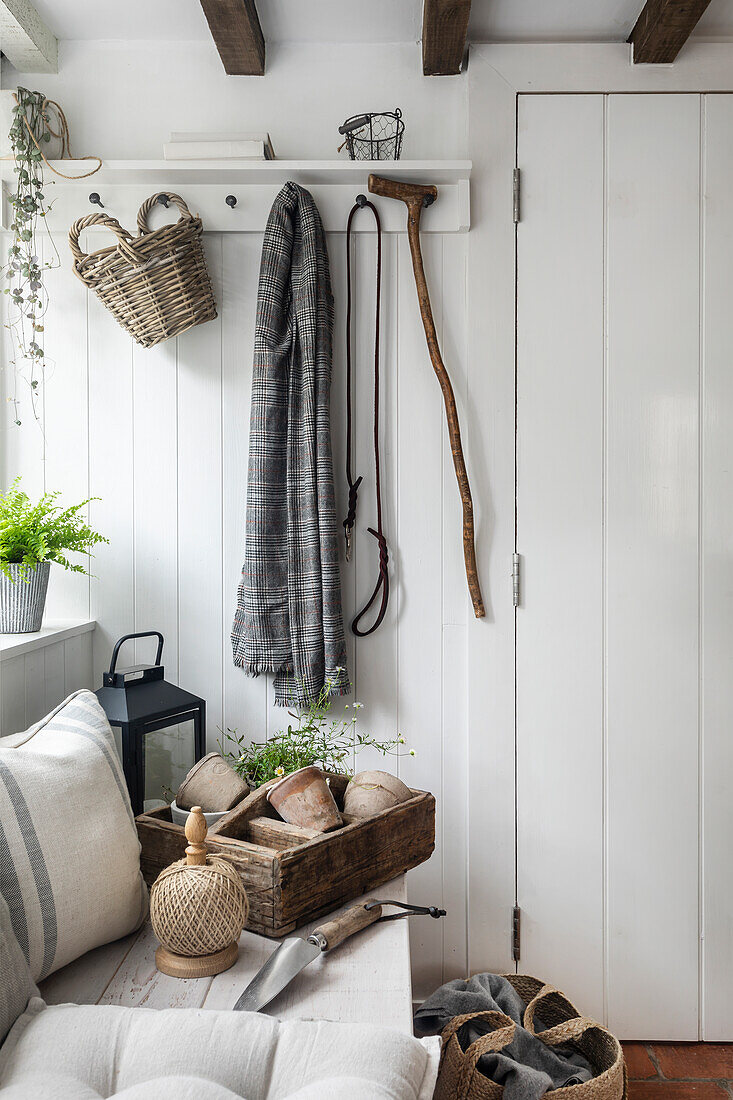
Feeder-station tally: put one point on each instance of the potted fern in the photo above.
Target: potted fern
(32, 536)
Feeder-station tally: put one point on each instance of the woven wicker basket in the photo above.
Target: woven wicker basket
(460, 1079)
(156, 284)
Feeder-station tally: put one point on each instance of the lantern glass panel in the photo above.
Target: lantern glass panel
(169, 756)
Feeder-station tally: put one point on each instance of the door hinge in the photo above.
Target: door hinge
(516, 579)
(516, 932)
(515, 194)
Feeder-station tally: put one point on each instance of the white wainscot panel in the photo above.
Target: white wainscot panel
(38, 671)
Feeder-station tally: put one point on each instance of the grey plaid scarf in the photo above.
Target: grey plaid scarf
(288, 618)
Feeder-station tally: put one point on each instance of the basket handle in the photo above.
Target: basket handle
(496, 1040)
(560, 1033)
(147, 206)
(124, 239)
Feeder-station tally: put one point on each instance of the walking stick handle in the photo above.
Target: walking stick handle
(407, 192)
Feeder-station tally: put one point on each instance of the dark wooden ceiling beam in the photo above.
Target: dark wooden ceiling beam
(235, 28)
(444, 29)
(663, 28)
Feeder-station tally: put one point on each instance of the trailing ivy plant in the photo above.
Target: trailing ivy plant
(25, 269)
(34, 533)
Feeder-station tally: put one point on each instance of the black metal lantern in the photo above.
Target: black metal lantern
(142, 703)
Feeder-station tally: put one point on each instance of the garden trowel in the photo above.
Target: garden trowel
(294, 953)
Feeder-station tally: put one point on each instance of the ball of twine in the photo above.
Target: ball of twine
(197, 910)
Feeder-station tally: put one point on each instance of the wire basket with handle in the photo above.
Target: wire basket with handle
(156, 285)
(374, 137)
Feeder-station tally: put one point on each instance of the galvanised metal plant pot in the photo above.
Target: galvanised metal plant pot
(23, 599)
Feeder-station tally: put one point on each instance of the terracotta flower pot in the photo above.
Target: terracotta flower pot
(370, 792)
(304, 798)
(211, 784)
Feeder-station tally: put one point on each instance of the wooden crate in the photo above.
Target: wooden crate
(295, 875)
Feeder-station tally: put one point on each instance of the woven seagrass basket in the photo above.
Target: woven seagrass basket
(460, 1079)
(155, 285)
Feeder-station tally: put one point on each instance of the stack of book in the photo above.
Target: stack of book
(219, 147)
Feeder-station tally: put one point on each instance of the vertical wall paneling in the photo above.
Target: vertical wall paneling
(35, 681)
(337, 262)
(453, 794)
(12, 695)
(652, 562)
(244, 699)
(77, 662)
(35, 696)
(112, 480)
(200, 610)
(717, 569)
(53, 685)
(163, 439)
(420, 542)
(560, 498)
(66, 413)
(376, 657)
(155, 491)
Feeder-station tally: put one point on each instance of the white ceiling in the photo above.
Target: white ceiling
(365, 20)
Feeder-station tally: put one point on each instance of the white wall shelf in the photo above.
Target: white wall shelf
(12, 645)
(256, 171)
(124, 184)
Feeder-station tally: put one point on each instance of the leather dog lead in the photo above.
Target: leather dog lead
(383, 578)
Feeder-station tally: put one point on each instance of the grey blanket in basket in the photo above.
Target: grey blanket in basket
(527, 1068)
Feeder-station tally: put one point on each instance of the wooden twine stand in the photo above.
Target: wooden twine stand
(415, 198)
(197, 966)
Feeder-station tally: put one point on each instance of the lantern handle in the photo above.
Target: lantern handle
(127, 637)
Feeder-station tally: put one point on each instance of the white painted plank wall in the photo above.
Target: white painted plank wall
(162, 437)
(31, 684)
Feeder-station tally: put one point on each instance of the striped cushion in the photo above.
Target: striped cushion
(16, 987)
(69, 852)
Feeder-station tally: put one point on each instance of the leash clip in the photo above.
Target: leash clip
(348, 543)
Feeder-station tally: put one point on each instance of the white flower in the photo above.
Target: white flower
(280, 770)
(412, 752)
(358, 706)
(401, 739)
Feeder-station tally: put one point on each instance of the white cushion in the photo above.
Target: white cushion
(16, 986)
(69, 851)
(70, 1052)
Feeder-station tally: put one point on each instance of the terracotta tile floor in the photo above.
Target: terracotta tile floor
(680, 1071)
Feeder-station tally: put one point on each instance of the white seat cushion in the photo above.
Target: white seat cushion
(69, 850)
(70, 1052)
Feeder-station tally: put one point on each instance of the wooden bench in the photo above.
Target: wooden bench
(365, 980)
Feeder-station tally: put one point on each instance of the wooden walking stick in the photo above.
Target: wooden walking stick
(416, 197)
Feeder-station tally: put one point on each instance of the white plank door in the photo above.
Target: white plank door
(608, 369)
(560, 502)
